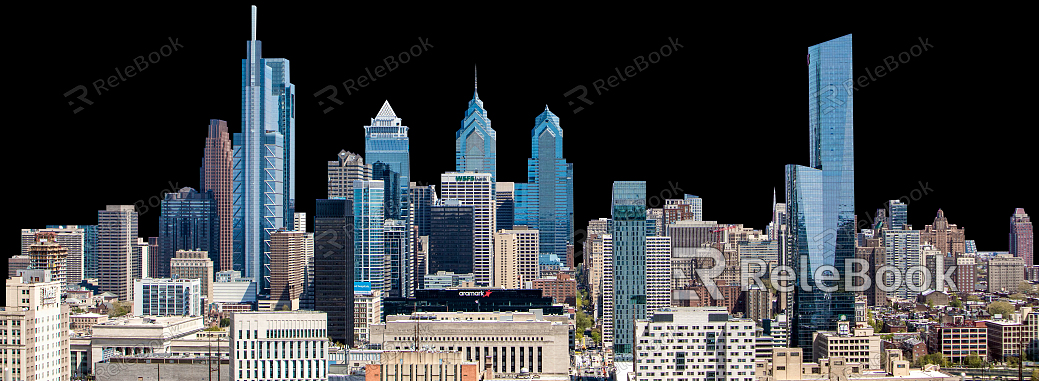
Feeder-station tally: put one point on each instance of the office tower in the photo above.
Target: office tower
(476, 190)
(872, 251)
(306, 301)
(820, 198)
(47, 254)
(423, 197)
(897, 214)
(189, 221)
(342, 172)
(166, 297)
(658, 273)
(1021, 243)
(391, 189)
(629, 256)
(714, 327)
(89, 251)
(369, 216)
(141, 254)
(397, 258)
(655, 219)
(1005, 272)
(947, 237)
(193, 264)
(451, 238)
(420, 261)
(289, 345)
(262, 161)
(116, 238)
(593, 263)
(333, 266)
(545, 201)
(515, 257)
(476, 143)
(970, 247)
(443, 280)
(299, 222)
(38, 324)
(16, 263)
(504, 205)
(70, 237)
(216, 177)
(386, 141)
(153, 256)
(966, 273)
(901, 250)
(288, 268)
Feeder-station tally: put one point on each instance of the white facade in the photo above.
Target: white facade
(694, 343)
(69, 237)
(279, 345)
(34, 327)
(367, 312)
(658, 273)
(515, 257)
(476, 190)
(167, 297)
(607, 291)
(230, 287)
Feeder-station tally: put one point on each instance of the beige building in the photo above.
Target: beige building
(787, 364)
(510, 342)
(279, 345)
(515, 257)
(367, 312)
(1005, 272)
(422, 365)
(83, 322)
(1007, 336)
(46, 254)
(288, 261)
(859, 345)
(34, 329)
(191, 264)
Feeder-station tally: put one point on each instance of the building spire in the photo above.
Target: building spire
(474, 77)
(254, 24)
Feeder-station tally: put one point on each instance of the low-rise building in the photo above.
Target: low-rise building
(859, 345)
(956, 341)
(279, 345)
(683, 343)
(1009, 336)
(423, 365)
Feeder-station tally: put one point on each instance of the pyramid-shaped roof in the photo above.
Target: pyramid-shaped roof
(386, 110)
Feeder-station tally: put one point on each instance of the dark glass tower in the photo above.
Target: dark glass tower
(821, 197)
(189, 221)
(628, 228)
(451, 243)
(333, 267)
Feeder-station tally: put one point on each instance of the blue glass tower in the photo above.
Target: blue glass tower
(386, 141)
(476, 143)
(821, 197)
(628, 227)
(262, 173)
(188, 222)
(369, 218)
(546, 201)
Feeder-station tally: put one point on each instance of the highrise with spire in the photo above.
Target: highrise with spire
(263, 174)
(546, 200)
(476, 143)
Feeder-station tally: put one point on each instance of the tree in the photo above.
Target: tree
(1000, 308)
(1035, 375)
(955, 302)
(119, 309)
(935, 358)
(1025, 287)
(225, 322)
(1019, 296)
(974, 361)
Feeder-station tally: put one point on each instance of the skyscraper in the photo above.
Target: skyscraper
(505, 205)
(189, 221)
(820, 198)
(476, 143)
(451, 238)
(1021, 243)
(333, 266)
(288, 268)
(476, 190)
(546, 202)
(628, 232)
(898, 214)
(70, 237)
(949, 238)
(342, 173)
(116, 238)
(369, 218)
(423, 197)
(397, 259)
(262, 161)
(216, 177)
(386, 141)
(515, 257)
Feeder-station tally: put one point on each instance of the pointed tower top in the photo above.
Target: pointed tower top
(386, 110)
(546, 107)
(254, 24)
(474, 77)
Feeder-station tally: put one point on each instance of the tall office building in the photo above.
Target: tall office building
(658, 273)
(193, 264)
(140, 259)
(36, 329)
(334, 266)
(1021, 243)
(89, 251)
(189, 221)
(902, 251)
(290, 345)
(897, 214)
(342, 172)
(386, 141)
(216, 177)
(397, 259)
(476, 143)
(820, 198)
(70, 237)
(629, 260)
(47, 254)
(423, 197)
(515, 257)
(451, 238)
(288, 268)
(545, 202)
(262, 162)
(476, 190)
(369, 217)
(504, 205)
(116, 237)
(391, 189)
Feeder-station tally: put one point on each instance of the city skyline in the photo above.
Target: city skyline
(431, 89)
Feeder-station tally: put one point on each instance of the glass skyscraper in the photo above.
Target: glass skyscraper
(262, 163)
(189, 221)
(386, 141)
(628, 229)
(820, 197)
(546, 201)
(476, 143)
(369, 218)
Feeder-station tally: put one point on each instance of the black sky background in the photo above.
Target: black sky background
(719, 118)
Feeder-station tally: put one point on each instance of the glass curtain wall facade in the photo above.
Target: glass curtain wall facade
(476, 143)
(628, 230)
(386, 141)
(545, 202)
(369, 217)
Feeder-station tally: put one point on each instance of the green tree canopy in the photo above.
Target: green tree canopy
(1000, 308)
